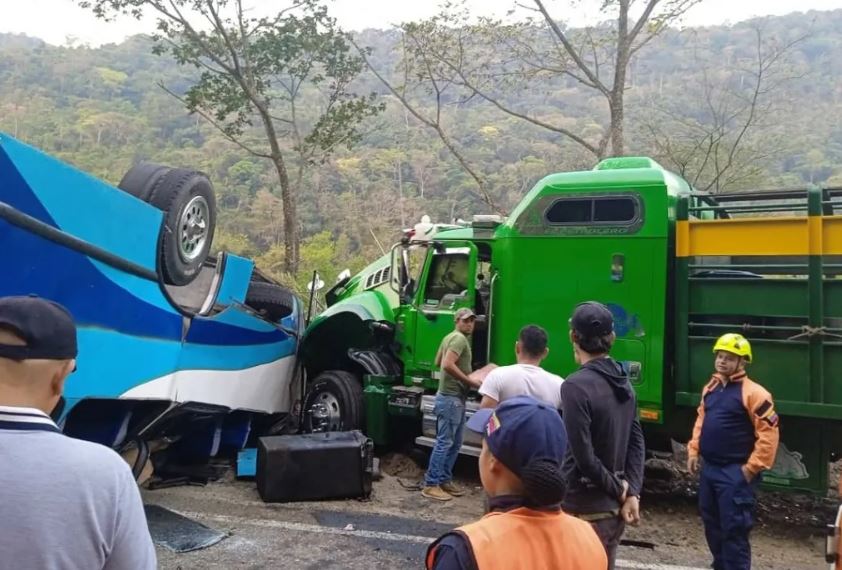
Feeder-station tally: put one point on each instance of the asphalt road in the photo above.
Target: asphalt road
(392, 530)
(394, 527)
(371, 541)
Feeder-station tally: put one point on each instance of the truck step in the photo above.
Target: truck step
(464, 450)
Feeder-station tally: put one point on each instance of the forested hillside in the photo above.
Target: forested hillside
(103, 109)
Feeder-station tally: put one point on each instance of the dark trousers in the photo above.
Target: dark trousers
(610, 531)
(726, 502)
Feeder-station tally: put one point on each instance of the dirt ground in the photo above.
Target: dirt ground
(392, 529)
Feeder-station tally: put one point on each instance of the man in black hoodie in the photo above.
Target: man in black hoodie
(604, 462)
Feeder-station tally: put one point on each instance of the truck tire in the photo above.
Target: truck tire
(186, 197)
(272, 301)
(141, 179)
(334, 402)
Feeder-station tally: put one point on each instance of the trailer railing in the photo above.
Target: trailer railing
(767, 264)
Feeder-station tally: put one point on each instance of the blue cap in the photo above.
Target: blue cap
(521, 431)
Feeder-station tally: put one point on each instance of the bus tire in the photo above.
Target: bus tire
(141, 179)
(272, 301)
(186, 197)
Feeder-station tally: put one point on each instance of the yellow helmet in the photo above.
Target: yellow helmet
(735, 344)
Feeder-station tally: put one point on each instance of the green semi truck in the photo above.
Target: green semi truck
(676, 267)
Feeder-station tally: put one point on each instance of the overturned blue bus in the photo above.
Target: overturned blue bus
(175, 343)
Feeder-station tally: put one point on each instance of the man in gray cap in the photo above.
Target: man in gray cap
(455, 357)
(67, 503)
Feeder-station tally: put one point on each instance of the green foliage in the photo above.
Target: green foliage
(253, 77)
(68, 102)
(320, 253)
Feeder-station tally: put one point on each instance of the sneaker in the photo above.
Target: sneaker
(436, 493)
(452, 489)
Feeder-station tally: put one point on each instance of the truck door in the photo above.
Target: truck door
(448, 283)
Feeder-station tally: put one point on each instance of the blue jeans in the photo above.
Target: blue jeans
(450, 419)
(726, 502)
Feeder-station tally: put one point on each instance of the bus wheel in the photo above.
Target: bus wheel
(141, 178)
(189, 205)
(272, 301)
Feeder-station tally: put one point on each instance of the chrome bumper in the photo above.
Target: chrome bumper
(471, 441)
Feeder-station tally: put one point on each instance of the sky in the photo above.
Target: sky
(57, 20)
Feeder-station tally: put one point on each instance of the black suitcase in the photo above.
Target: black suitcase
(314, 466)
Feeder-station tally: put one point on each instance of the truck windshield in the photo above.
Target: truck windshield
(413, 258)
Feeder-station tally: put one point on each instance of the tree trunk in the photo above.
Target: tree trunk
(621, 64)
(290, 217)
(288, 198)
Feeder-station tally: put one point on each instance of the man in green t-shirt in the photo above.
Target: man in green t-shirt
(454, 357)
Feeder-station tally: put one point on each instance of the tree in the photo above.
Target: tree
(719, 134)
(436, 84)
(490, 58)
(257, 71)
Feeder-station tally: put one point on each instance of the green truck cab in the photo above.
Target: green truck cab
(677, 268)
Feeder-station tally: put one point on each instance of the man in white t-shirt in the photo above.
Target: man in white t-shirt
(526, 378)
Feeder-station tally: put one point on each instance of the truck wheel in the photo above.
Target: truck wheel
(334, 402)
(141, 178)
(272, 301)
(187, 200)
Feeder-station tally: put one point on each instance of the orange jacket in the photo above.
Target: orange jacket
(528, 539)
(761, 411)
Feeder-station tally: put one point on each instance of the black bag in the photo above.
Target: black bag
(314, 466)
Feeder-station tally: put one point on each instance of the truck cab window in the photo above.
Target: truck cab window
(614, 210)
(622, 210)
(448, 277)
(570, 211)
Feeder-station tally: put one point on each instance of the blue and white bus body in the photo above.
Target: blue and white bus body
(67, 236)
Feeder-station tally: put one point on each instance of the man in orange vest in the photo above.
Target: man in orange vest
(520, 468)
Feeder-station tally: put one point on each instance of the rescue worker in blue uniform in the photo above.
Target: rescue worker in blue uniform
(736, 435)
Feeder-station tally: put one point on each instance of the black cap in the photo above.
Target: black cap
(592, 319)
(46, 327)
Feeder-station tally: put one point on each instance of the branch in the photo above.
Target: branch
(593, 52)
(436, 126)
(763, 66)
(216, 124)
(644, 17)
(561, 130)
(177, 17)
(465, 82)
(525, 59)
(571, 51)
(664, 20)
(220, 27)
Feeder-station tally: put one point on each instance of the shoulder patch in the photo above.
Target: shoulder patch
(766, 412)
